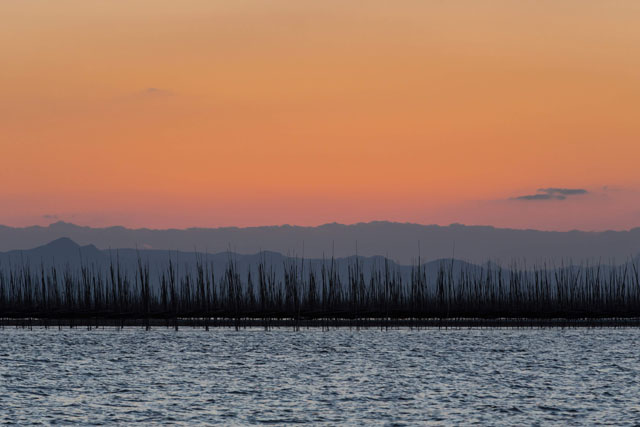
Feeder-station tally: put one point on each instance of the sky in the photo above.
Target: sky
(163, 113)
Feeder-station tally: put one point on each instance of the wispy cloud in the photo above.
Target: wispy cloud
(552, 193)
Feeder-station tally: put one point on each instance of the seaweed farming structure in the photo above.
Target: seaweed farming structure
(301, 296)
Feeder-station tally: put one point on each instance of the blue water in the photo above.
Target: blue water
(489, 376)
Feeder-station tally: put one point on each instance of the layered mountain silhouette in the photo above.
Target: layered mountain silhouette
(401, 242)
(65, 254)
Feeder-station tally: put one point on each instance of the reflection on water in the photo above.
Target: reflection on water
(496, 376)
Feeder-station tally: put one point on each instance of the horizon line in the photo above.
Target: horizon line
(334, 223)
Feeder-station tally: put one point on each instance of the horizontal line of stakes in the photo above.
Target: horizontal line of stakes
(306, 296)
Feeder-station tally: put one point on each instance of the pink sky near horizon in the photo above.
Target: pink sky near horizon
(168, 114)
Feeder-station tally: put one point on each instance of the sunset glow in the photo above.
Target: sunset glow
(198, 113)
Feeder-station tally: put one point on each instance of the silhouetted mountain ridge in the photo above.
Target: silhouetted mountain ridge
(64, 253)
(402, 242)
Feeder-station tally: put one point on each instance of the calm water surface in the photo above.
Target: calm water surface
(491, 376)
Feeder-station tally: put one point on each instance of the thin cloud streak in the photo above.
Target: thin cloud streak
(552, 193)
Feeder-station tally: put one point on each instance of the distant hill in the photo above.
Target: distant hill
(64, 253)
(398, 241)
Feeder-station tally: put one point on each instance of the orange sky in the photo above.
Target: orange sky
(166, 113)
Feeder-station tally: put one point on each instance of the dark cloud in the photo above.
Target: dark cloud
(542, 196)
(552, 193)
(563, 191)
(51, 217)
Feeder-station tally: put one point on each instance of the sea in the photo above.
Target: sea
(495, 376)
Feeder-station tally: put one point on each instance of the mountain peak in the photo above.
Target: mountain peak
(62, 244)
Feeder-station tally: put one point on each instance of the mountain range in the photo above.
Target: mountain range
(401, 242)
(64, 253)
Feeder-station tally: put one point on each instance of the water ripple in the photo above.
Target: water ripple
(398, 377)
